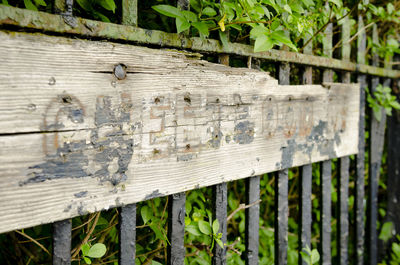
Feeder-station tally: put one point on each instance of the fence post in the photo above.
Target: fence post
(127, 235)
(360, 178)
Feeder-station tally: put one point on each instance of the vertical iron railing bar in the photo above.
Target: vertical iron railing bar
(176, 229)
(127, 235)
(377, 134)
(305, 181)
(62, 242)
(220, 200)
(360, 179)
(176, 208)
(252, 220)
(344, 164)
(130, 12)
(281, 192)
(326, 167)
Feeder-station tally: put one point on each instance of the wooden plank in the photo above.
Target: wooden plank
(326, 167)
(127, 235)
(360, 178)
(173, 124)
(377, 134)
(176, 228)
(252, 220)
(62, 242)
(344, 163)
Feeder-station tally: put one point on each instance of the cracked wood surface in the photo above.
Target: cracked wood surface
(75, 139)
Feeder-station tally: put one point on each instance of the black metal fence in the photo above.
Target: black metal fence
(364, 246)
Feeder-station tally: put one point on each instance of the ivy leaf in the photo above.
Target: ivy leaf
(219, 242)
(314, 256)
(386, 231)
(108, 4)
(205, 227)
(87, 260)
(263, 43)
(146, 213)
(215, 226)
(201, 27)
(182, 24)
(193, 229)
(40, 2)
(85, 249)
(97, 251)
(29, 5)
(167, 10)
(208, 11)
(280, 36)
(224, 38)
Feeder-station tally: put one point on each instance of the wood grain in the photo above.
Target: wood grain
(75, 139)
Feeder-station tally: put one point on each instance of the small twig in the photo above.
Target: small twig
(33, 240)
(85, 223)
(354, 36)
(85, 240)
(242, 206)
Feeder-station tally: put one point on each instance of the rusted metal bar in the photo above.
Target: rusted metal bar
(326, 168)
(176, 229)
(377, 137)
(252, 220)
(90, 28)
(130, 12)
(359, 187)
(127, 235)
(344, 163)
(62, 242)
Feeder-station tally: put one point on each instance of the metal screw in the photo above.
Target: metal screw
(120, 71)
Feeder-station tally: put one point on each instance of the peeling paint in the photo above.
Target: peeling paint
(244, 132)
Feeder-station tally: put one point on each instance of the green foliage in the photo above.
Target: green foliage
(386, 231)
(311, 257)
(96, 251)
(382, 99)
(395, 253)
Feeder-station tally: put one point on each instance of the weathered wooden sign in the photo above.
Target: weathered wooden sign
(88, 125)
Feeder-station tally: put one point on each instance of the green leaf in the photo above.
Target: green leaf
(5, 2)
(40, 3)
(201, 27)
(153, 262)
(215, 226)
(87, 260)
(205, 227)
(314, 256)
(208, 11)
(390, 8)
(169, 11)
(280, 36)
(97, 251)
(29, 5)
(308, 3)
(193, 229)
(85, 249)
(258, 31)
(146, 213)
(338, 3)
(275, 24)
(287, 8)
(182, 24)
(386, 231)
(85, 4)
(189, 15)
(108, 4)
(219, 242)
(263, 43)
(224, 38)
